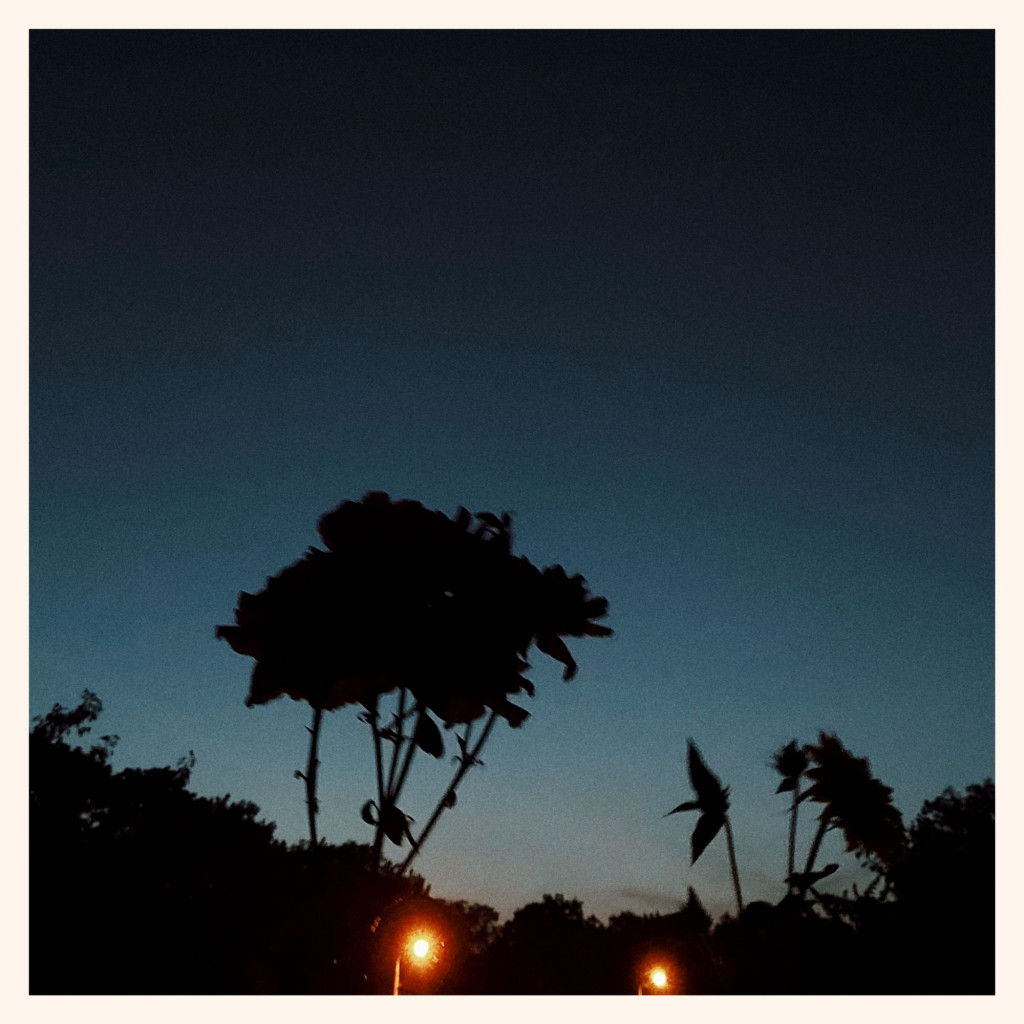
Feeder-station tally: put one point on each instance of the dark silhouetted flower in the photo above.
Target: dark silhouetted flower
(854, 801)
(712, 802)
(407, 597)
(790, 762)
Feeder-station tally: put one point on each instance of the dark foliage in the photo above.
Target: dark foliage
(549, 948)
(940, 928)
(138, 886)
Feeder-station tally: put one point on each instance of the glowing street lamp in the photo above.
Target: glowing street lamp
(655, 977)
(419, 947)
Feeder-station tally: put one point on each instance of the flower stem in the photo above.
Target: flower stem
(394, 794)
(384, 797)
(378, 757)
(311, 767)
(400, 722)
(732, 864)
(812, 854)
(791, 863)
(468, 760)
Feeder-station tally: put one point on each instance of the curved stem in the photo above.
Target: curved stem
(378, 755)
(791, 863)
(468, 760)
(311, 767)
(732, 864)
(812, 854)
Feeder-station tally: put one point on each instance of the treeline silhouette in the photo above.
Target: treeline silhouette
(139, 886)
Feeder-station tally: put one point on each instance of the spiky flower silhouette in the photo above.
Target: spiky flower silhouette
(406, 599)
(853, 801)
(713, 804)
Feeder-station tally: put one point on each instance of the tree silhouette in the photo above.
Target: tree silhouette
(550, 947)
(406, 600)
(135, 885)
(945, 891)
(139, 886)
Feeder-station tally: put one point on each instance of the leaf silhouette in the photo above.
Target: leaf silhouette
(690, 805)
(396, 824)
(428, 736)
(708, 826)
(553, 646)
(804, 880)
(490, 519)
(367, 812)
(711, 796)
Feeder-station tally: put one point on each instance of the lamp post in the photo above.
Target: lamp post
(656, 977)
(419, 947)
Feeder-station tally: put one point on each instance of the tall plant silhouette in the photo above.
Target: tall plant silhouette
(435, 610)
(713, 804)
(853, 801)
(790, 762)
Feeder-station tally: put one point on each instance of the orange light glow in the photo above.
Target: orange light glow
(420, 948)
(659, 978)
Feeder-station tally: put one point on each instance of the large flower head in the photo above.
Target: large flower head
(405, 596)
(854, 800)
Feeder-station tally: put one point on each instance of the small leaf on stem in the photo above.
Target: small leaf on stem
(708, 826)
(428, 736)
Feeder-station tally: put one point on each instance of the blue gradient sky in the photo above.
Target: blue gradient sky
(711, 313)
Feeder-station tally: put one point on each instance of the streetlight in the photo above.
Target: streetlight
(419, 947)
(655, 977)
(411, 933)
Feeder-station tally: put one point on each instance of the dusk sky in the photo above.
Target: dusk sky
(711, 313)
